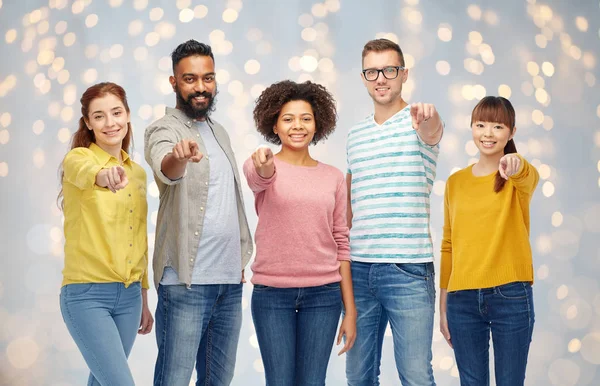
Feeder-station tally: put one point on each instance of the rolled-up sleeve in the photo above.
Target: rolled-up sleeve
(80, 168)
(158, 142)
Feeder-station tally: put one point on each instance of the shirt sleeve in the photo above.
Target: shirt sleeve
(340, 225)
(527, 178)
(446, 250)
(80, 168)
(257, 183)
(158, 142)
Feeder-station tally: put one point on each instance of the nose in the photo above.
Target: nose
(199, 86)
(110, 121)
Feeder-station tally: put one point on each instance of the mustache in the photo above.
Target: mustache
(205, 94)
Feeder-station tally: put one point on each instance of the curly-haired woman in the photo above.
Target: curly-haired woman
(302, 266)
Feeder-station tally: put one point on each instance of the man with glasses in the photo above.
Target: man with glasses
(391, 168)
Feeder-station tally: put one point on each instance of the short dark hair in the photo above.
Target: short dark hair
(269, 104)
(190, 48)
(380, 45)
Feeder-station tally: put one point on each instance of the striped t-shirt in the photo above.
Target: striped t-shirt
(392, 176)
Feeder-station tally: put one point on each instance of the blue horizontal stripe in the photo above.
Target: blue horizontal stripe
(390, 185)
(392, 205)
(393, 256)
(386, 155)
(392, 236)
(387, 175)
(392, 215)
(385, 138)
(387, 225)
(389, 195)
(397, 246)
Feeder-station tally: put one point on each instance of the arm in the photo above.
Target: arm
(259, 170)
(80, 168)
(446, 267)
(167, 156)
(523, 175)
(427, 122)
(349, 214)
(147, 320)
(348, 327)
(341, 234)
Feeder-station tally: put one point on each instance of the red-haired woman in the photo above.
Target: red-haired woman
(103, 297)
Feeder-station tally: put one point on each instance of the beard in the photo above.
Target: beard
(187, 105)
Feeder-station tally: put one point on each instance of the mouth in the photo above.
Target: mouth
(200, 99)
(382, 90)
(297, 137)
(487, 144)
(112, 133)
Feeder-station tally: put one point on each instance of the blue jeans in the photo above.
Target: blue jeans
(199, 325)
(296, 329)
(404, 296)
(103, 319)
(507, 312)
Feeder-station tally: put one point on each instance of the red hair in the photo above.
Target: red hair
(84, 137)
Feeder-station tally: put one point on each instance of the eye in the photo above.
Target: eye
(117, 113)
(307, 119)
(479, 125)
(498, 127)
(209, 78)
(188, 79)
(97, 117)
(389, 70)
(371, 72)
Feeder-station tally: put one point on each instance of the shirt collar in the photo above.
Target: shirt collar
(104, 157)
(182, 117)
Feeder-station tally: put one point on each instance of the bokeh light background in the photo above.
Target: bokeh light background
(543, 55)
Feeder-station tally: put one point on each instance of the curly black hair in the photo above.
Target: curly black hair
(272, 99)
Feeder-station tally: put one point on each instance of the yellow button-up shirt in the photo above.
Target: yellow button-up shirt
(105, 233)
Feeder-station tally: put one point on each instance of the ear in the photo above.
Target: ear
(514, 131)
(405, 75)
(87, 123)
(362, 77)
(275, 129)
(173, 82)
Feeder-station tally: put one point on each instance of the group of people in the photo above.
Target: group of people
(328, 245)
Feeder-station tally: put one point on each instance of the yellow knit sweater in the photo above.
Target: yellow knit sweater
(486, 234)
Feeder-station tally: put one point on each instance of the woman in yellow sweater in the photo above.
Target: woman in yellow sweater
(103, 299)
(487, 269)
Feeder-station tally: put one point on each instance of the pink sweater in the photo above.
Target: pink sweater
(302, 234)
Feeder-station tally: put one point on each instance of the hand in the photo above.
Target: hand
(113, 178)
(187, 150)
(444, 329)
(509, 165)
(263, 162)
(146, 322)
(348, 328)
(420, 113)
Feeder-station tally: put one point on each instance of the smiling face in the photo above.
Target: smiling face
(108, 119)
(384, 91)
(195, 85)
(491, 137)
(296, 125)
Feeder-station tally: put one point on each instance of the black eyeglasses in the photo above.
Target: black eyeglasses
(391, 72)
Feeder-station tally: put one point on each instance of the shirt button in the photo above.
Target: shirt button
(196, 233)
(206, 157)
(249, 252)
(192, 260)
(130, 210)
(131, 245)
(201, 208)
(129, 194)
(197, 135)
(206, 183)
(129, 261)
(130, 227)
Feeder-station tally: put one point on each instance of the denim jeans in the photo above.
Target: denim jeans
(404, 296)
(103, 319)
(199, 325)
(507, 312)
(296, 329)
